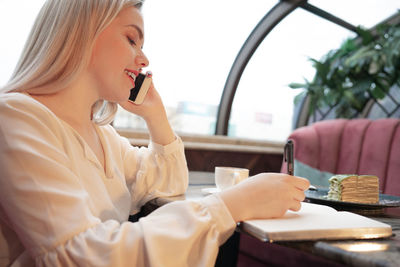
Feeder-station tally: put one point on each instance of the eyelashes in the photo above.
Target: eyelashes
(132, 42)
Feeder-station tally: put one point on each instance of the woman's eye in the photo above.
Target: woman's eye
(132, 42)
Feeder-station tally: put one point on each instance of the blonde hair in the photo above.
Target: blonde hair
(60, 45)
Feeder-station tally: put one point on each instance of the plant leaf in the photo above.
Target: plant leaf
(378, 93)
(297, 85)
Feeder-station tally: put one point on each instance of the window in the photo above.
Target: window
(191, 46)
(263, 104)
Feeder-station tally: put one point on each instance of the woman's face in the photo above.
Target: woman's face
(116, 51)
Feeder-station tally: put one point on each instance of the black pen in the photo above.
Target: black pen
(289, 157)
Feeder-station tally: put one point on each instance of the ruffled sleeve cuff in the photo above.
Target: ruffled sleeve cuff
(223, 218)
(167, 149)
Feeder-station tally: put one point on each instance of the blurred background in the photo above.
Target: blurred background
(192, 45)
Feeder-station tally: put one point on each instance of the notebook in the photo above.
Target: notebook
(316, 222)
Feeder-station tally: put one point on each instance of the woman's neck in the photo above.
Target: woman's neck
(72, 104)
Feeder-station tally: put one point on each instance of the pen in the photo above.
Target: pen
(288, 151)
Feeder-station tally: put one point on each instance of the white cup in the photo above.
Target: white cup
(228, 176)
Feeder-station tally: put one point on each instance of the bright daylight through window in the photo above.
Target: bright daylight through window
(191, 46)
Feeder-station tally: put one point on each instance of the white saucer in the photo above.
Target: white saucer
(210, 190)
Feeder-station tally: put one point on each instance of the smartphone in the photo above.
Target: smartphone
(142, 85)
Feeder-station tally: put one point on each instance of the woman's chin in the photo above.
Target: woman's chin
(123, 96)
(118, 99)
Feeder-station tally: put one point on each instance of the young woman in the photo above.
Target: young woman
(68, 181)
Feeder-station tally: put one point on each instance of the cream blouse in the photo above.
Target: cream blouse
(60, 207)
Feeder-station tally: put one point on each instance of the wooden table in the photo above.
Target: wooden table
(378, 252)
(363, 253)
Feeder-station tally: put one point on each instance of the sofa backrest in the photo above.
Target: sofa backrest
(357, 146)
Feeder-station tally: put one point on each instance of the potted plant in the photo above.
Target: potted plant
(362, 69)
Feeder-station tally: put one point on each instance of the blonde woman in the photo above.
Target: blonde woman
(68, 181)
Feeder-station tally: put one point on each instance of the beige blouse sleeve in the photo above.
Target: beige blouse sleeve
(156, 171)
(44, 204)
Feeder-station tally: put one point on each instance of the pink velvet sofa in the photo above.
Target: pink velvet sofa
(357, 146)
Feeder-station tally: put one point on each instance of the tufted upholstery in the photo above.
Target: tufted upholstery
(359, 146)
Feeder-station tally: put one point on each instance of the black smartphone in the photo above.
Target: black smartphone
(142, 85)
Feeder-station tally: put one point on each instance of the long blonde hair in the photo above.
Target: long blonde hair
(60, 45)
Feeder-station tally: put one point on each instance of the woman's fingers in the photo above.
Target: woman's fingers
(298, 195)
(266, 195)
(295, 206)
(301, 183)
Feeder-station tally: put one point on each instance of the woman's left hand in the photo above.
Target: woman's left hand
(152, 110)
(151, 107)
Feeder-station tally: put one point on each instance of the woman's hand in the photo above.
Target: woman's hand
(153, 112)
(266, 195)
(151, 107)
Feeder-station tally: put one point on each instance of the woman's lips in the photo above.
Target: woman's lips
(132, 74)
(132, 81)
(135, 72)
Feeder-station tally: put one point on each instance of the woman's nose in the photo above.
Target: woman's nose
(142, 60)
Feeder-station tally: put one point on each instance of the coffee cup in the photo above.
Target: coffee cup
(226, 177)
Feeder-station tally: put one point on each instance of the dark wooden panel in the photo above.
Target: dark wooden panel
(257, 253)
(206, 160)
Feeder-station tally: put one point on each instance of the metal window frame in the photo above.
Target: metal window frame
(281, 10)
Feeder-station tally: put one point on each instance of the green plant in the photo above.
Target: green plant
(362, 68)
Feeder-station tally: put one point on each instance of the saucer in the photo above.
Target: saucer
(318, 196)
(210, 190)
